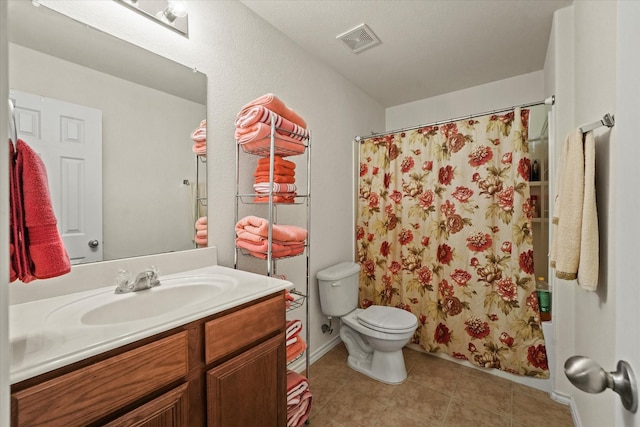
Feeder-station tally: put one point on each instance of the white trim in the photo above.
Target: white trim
(568, 401)
(298, 366)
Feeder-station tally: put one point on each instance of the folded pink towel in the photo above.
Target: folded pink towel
(297, 415)
(277, 198)
(293, 328)
(39, 252)
(260, 249)
(263, 187)
(260, 114)
(296, 385)
(257, 140)
(275, 104)
(257, 226)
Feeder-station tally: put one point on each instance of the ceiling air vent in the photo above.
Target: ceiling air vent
(359, 38)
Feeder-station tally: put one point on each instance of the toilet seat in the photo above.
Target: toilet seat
(390, 320)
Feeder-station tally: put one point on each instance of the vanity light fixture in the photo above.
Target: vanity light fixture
(172, 14)
(175, 9)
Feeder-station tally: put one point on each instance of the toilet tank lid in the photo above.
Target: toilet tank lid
(338, 271)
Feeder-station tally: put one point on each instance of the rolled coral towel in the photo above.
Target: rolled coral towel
(200, 148)
(275, 104)
(278, 161)
(278, 170)
(201, 238)
(201, 223)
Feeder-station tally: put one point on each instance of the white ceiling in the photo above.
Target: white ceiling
(429, 47)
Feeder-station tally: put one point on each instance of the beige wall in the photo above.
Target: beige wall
(504, 93)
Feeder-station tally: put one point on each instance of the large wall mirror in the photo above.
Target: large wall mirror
(140, 180)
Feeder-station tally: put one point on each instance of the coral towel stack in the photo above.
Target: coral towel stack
(284, 178)
(298, 399)
(253, 236)
(253, 127)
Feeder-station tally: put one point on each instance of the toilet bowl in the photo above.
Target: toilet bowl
(374, 337)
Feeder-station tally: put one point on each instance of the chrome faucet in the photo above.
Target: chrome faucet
(144, 280)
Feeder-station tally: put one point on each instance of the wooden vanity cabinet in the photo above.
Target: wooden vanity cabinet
(207, 372)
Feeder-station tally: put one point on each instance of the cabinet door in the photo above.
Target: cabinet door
(250, 389)
(169, 410)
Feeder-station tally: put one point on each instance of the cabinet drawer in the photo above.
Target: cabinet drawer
(236, 330)
(90, 393)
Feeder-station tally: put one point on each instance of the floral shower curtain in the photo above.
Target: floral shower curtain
(444, 231)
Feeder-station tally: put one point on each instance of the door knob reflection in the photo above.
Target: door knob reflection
(587, 375)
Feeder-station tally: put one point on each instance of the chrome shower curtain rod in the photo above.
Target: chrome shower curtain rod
(548, 101)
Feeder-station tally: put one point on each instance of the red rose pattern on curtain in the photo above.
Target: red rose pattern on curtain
(444, 231)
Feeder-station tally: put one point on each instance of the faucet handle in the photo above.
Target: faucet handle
(154, 271)
(123, 281)
(153, 280)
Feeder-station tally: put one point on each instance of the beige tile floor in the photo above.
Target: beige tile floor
(437, 392)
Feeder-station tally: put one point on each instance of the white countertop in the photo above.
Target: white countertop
(47, 334)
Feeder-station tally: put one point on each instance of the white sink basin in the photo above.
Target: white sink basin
(172, 296)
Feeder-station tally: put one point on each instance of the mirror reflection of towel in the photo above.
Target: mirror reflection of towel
(39, 252)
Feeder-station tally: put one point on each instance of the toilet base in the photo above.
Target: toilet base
(386, 367)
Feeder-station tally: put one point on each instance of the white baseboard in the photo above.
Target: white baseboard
(298, 366)
(568, 400)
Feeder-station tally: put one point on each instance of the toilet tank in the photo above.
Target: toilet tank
(338, 288)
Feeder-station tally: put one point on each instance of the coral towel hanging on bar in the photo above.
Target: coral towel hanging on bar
(36, 248)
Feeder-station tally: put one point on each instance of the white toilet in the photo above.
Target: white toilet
(374, 336)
